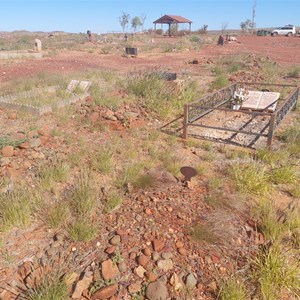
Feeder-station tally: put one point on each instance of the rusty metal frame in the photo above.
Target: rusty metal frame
(217, 100)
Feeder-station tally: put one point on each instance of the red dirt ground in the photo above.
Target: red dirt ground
(284, 50)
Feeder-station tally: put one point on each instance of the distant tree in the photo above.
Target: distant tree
(135, 22)
(124, 20)
(143, 18)
(203, 29)
(224, 26)
(247, 25)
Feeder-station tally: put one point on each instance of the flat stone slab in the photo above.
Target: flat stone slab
(82, 85)
(11, 101)
(9, 55)
(257, 100)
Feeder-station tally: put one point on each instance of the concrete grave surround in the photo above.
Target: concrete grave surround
(35, 53)
(11, 101)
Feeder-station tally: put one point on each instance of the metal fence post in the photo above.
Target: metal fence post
(271, 129)
(297, 96)
(185, 121)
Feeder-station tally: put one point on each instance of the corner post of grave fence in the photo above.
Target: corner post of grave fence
(271, 130)
(297, 97)
(185, 121)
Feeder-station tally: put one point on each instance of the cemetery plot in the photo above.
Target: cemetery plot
(40, 101)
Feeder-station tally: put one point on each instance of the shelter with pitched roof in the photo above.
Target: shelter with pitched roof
(168, 19)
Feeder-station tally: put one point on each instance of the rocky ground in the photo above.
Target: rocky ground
(146, 247)
(171, 240)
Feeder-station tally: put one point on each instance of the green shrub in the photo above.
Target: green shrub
(58, 171)
(159, 96)
(102, 160)
(290, 135)
(82, 231)
(51, 287)
(144, 181)
(83, 198)
(268, 220)
(7, 141)
(112, 202)
(250, 179)
(57, 215)
(220, 82)
(294, 72)
(232, 289)
(15, 208)
(275, 272)
(195, 39)
(283, 175)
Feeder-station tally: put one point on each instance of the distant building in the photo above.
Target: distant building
(170, 20)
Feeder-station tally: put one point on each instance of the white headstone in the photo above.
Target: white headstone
(37, 45)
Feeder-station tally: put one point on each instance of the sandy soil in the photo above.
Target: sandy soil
(284, 50)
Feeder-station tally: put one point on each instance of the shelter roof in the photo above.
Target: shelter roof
(168, 19)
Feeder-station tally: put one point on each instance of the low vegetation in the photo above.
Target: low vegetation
(95, 171)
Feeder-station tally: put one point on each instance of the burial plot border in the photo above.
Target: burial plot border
(220, 101)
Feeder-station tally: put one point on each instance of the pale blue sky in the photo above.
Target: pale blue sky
(101, 16)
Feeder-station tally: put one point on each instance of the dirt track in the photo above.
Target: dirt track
(283, 50)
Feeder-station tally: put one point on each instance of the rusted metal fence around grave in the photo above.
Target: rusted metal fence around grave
(220, 101)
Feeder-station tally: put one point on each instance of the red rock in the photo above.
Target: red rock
(12, 116)
(5, 295)
(13, 173)
(110, 250)
(143, 260)
(158, 245)
(42, 133)
(151, 276)
(105, 292)
(147, 252)
(82, 285)
(26, 164)
(179, 244)
(132, 255)
(86, 294)
(201, 287)
(148, 211)
(182, 251)
(259, 238)
(7, 151)
(24, 145)
(25, 269)
(94, 117)
(109, 269)
(215, 258)
(121, 232)
(134, 288)
(44, 139)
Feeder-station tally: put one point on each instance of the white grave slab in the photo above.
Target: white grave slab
(267, 99)
(83, 85)
(72, 85)
(252, 99)
(257, 100)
